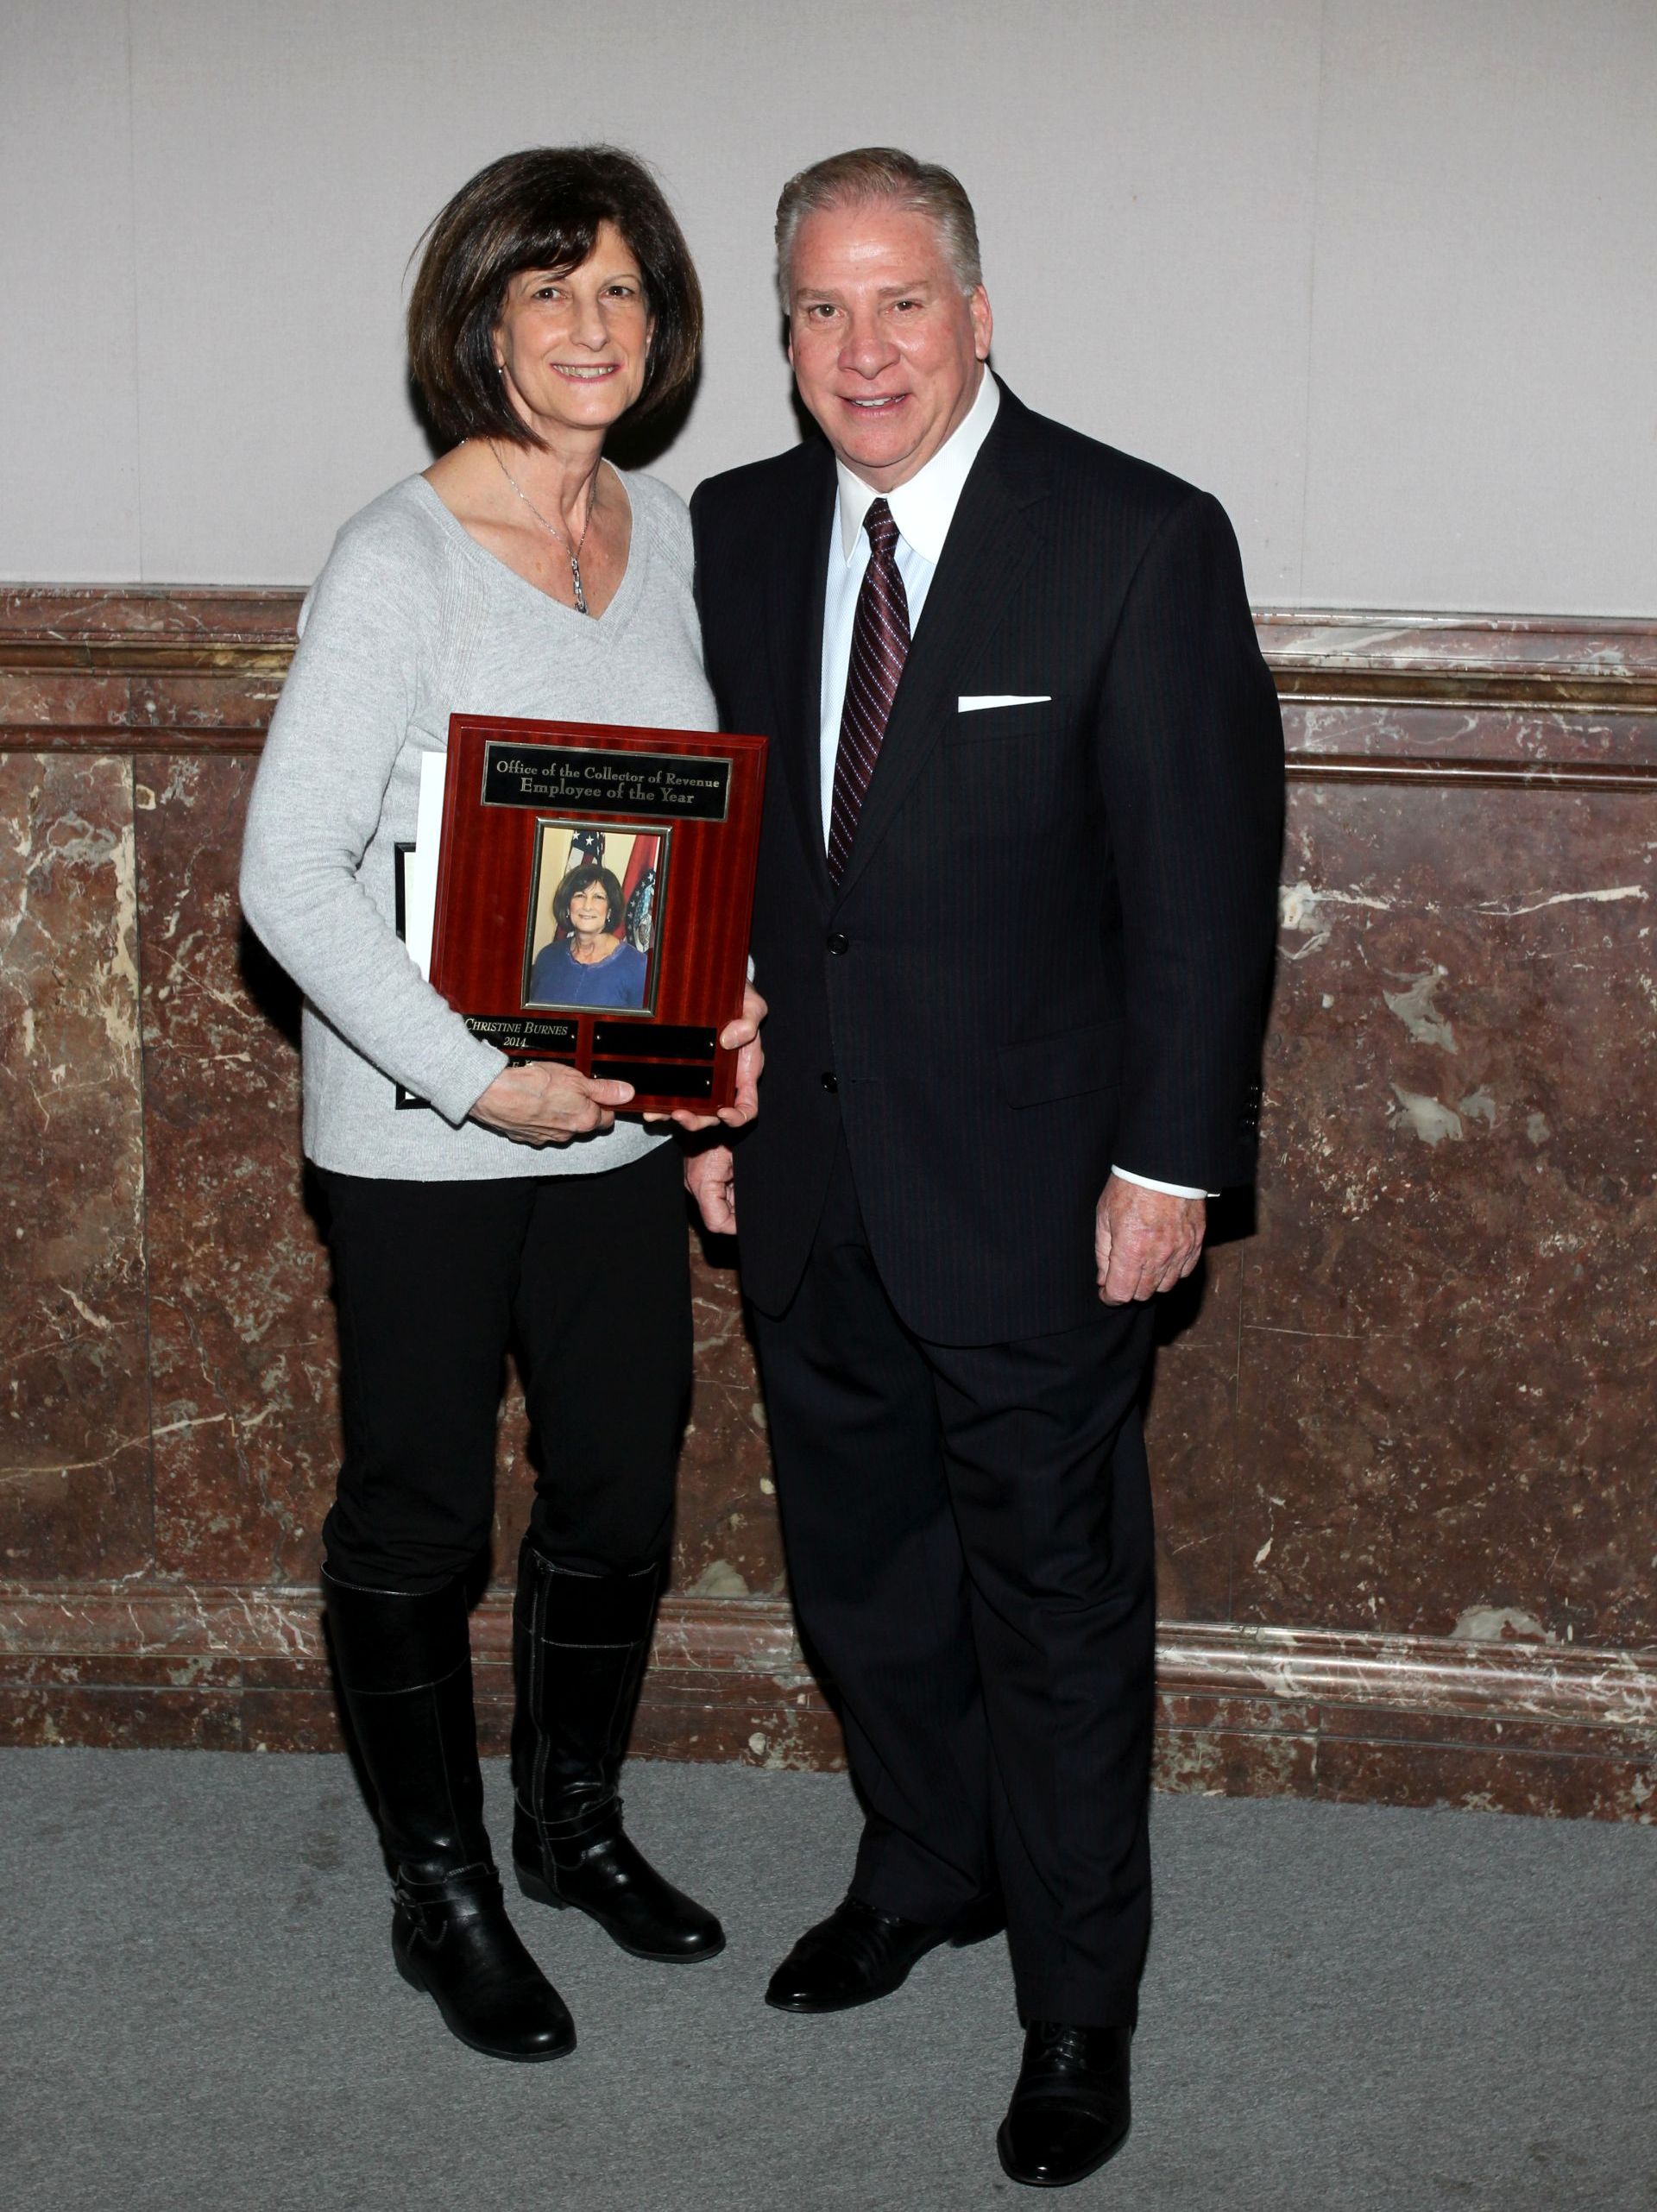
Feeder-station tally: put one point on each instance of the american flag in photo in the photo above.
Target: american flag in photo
(585, 845)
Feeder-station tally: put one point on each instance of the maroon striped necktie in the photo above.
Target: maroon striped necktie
(879, 647)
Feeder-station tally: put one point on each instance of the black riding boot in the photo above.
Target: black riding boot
(579, 1646)
(405, 1669)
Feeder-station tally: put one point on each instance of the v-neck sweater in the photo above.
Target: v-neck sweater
(410, 622)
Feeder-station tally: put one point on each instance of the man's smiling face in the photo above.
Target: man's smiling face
(887, 348)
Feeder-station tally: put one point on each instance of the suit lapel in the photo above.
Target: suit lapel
(990, 544)
(796, 587)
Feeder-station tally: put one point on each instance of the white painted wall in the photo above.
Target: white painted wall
(1381, 273)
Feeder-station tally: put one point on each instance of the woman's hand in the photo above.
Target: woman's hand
(743, 1038)
(544, 1103)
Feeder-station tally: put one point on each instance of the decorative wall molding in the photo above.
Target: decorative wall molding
(1416, 1674)
(1236, 1701)
(1553, 664)
(1526, 775)
(205, 665)
(1521, 1680)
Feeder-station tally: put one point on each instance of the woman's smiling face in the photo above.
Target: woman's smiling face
(589, 910)
(574, 346)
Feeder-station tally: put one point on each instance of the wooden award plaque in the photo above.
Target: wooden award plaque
(595, 889)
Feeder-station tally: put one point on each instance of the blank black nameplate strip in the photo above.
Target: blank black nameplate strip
(668, 1077)
(630, 1041)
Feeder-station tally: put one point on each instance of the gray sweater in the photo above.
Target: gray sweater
(412, 621)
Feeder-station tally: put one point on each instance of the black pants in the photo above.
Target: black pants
(968, 1534)
(586, 1278)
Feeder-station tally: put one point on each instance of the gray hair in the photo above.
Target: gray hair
(872, 174)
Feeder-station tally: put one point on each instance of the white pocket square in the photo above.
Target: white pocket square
(977, 702)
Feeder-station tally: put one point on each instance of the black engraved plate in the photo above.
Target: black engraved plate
(510, 1033)
(654, 786)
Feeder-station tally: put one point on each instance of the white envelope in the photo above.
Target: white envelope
(976, 703)
(420, 866)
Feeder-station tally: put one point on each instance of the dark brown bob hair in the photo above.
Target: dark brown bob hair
(541, 209)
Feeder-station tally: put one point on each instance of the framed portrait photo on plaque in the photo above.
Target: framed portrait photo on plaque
(594, 885)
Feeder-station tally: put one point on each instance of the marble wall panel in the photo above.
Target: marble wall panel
(514, 1479)
(1412, 1402)
(242, 1326)
(1447, 1356)
(1191, 1438)
(729, 1542)
(74, 1436)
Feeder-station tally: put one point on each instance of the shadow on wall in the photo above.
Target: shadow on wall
(269, 987)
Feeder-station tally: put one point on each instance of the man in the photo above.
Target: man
(1014, 918)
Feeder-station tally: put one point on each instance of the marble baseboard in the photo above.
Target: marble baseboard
(1391, 1719)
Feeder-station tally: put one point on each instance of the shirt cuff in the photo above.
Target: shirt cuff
(1150, 1183)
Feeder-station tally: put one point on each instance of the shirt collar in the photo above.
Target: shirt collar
(924, 507)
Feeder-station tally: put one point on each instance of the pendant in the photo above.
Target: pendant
(575, 577)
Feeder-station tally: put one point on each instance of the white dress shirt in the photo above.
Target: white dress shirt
(923, 508)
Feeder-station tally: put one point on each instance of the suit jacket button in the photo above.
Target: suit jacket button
(839, 942)
(829, 1081)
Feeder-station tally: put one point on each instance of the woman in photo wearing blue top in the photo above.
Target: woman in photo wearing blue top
(521, 574)
(591, 965)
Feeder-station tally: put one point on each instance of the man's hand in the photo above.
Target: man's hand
(1144, 1240)
(743, 1038)
(710, 1182)
(543, 1103)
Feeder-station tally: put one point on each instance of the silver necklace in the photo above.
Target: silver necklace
(582, 608)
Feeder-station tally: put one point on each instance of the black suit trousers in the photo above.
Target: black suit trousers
(969, 1533)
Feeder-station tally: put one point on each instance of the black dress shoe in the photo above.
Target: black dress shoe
(860, 1953)
(1070, 2107)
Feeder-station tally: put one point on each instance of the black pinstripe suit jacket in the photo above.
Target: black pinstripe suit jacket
(1052, 944)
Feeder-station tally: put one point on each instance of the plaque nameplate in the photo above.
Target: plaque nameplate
(666, 787)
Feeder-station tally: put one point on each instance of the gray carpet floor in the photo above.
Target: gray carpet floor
(1345, 2008)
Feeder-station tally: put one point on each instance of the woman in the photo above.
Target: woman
(590, 965)
(520, 575)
